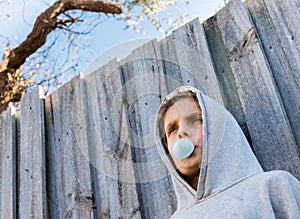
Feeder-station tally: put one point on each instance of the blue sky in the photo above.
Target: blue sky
(107, 35)
(117, 44)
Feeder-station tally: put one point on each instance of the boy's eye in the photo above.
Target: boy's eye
(197, 120)
(171, 130)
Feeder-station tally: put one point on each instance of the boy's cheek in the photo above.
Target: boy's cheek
(170, 143)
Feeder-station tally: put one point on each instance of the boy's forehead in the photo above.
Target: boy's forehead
(183, 107)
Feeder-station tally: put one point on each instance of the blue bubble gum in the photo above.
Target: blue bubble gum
(183, 148)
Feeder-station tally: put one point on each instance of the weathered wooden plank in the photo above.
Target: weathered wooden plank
(277, 22)
(32, 181)
(144, 84)
(113, 176)
(187, 48)
(270, 131)
(224, 73)
(8, 164)
(68, 171)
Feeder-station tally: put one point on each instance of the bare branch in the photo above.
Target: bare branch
(12, 83)
(66, 22)
(47, 22)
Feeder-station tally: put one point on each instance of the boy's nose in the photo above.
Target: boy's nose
(183, 132)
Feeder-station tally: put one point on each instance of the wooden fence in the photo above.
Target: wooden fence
(88, 149)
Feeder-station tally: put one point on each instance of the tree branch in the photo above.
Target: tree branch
(12, 83)
(47, 22)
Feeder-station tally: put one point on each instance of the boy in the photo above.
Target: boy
(221, 178)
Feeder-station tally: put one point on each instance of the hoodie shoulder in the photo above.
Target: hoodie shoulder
(278, 178)
(283, 190)
(274, 194)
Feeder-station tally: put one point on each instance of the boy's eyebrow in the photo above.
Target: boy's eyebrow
(195, 114)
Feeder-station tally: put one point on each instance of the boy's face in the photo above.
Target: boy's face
(184, 120)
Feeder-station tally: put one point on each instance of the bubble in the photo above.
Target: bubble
(183, 148)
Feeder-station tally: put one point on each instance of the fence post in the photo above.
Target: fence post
(68, 171)
(278, 27)
(8, 164)
(32, 178)
(114, 182)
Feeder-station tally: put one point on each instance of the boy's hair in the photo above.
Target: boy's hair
(168, 102)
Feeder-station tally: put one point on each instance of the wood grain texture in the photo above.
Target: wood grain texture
(109, 143)
(270, 131)
(8, 165)
(144, 84)
(187, 48)
(277, 23)
(224, 73)
(68, 171)
(32, 182)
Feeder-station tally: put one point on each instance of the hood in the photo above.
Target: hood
(226, 157)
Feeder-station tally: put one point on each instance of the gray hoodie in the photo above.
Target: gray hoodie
(231, 182)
